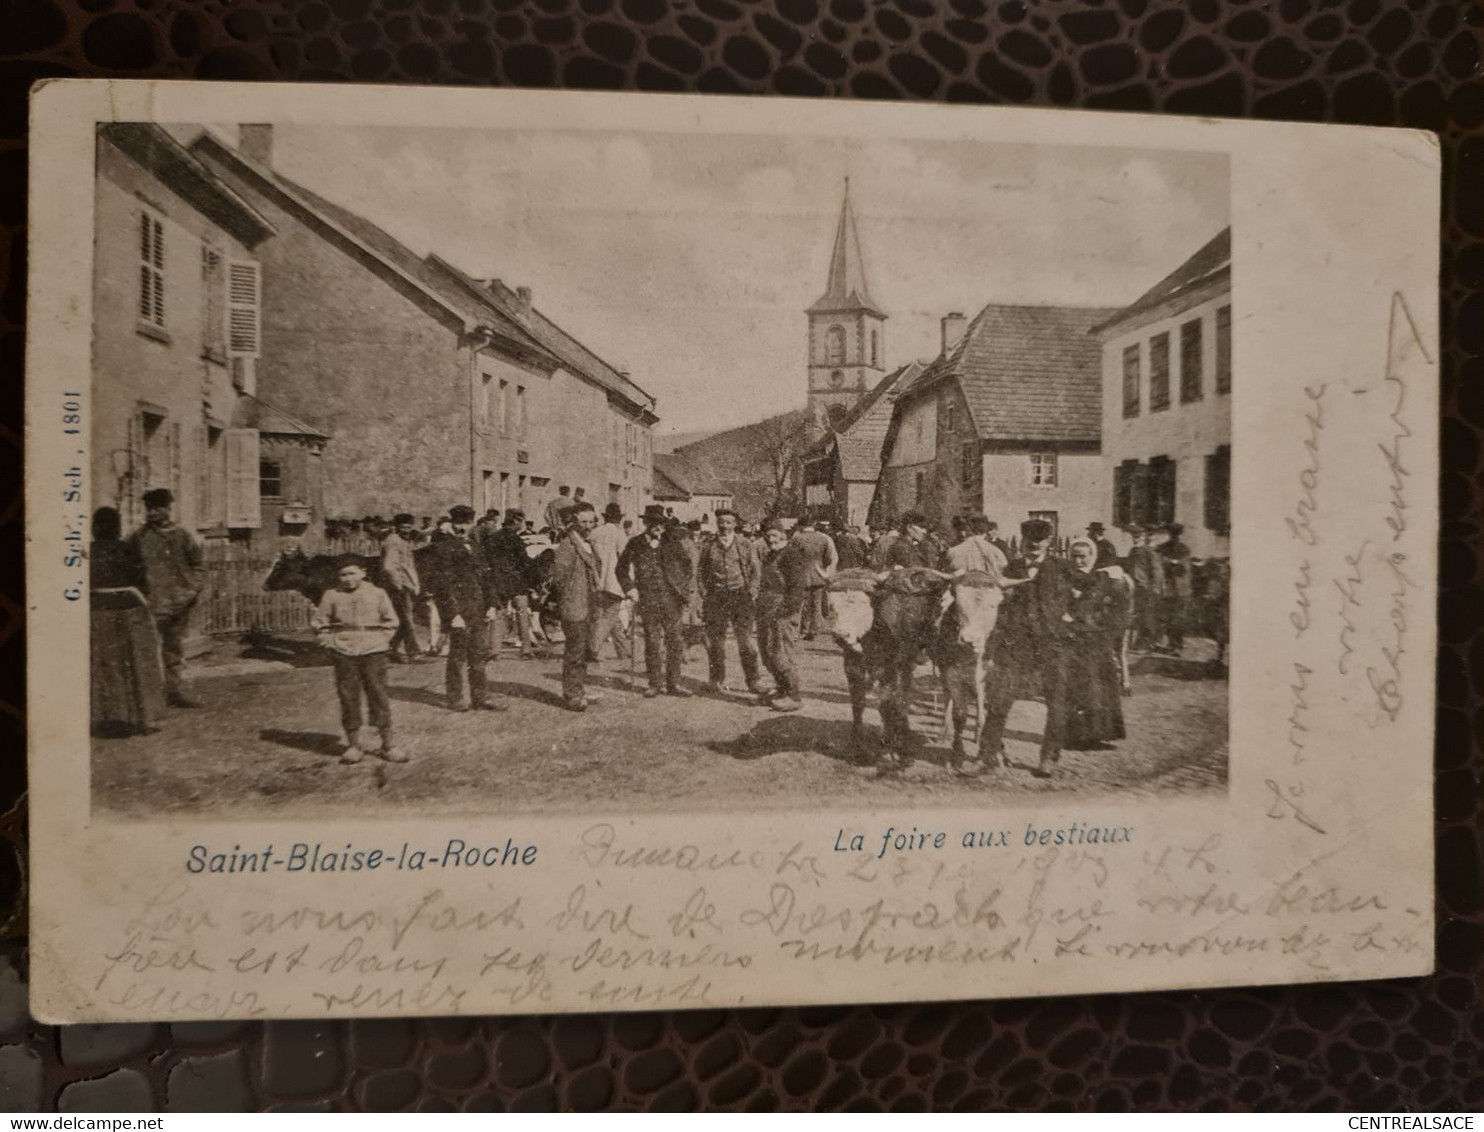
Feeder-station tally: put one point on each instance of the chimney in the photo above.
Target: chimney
(523, 294)
(954, 326)
(255, 142)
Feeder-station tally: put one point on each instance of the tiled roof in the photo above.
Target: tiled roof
(447, 286)
(573, 354)
(861, 439)
(253, 412)
(1027, 373)
(174, 165)
(1213, 259)
(686, 478)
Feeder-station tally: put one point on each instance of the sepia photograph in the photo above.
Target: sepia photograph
(441, 471)
(513, 551)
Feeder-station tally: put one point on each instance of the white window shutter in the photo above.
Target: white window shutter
(244, 507)
(244, 309)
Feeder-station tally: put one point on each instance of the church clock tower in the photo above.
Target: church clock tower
(847, 331)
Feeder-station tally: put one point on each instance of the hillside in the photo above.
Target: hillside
(753, 461)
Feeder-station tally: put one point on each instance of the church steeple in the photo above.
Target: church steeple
(845, 288)
(847, 348)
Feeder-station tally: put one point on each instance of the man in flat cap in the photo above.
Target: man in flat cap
(175, 574)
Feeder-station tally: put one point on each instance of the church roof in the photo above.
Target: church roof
(846, 288)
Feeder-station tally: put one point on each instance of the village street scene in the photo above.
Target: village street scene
(379, 528)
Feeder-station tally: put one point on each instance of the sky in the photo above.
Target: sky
(688, 259)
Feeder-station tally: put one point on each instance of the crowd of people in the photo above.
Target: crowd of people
(1059, 637)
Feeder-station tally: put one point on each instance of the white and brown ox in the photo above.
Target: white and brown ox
(885, 622)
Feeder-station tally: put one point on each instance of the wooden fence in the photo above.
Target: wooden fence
(234, 600)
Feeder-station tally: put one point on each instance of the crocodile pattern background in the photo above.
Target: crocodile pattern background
(1401, 1045)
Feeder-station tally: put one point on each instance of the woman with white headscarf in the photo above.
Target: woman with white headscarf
(1085, 614)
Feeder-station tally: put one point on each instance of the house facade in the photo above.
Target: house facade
(177, 339)
(438, 389)
(1167, 380)
(1005, 423)
(840, 470)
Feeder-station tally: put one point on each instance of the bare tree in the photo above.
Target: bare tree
(777, 443)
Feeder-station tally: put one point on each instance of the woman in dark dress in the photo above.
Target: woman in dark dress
(128, 692)
(1083, 660)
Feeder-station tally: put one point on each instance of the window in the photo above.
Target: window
(969, 469)
(1131, 377)
(837, 377)
(1161, 507)
(1159, 373)
(834, 344)
(504, 408)
(487, 492)
(876, 348)
(244, 309)
(1043, 469)
(213, 313)
(1218, 489)
(245, 476)
(270, 479)
(948, 414)
(1126, 494)
(521, 420)
(1191, 362)
(1224, 350)
(918, 488)
(504, 491)
(151, 270)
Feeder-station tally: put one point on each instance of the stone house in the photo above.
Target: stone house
(438, 390)
(1004, 422)
(177, 336)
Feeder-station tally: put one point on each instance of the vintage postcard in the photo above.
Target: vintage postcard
(500, 552)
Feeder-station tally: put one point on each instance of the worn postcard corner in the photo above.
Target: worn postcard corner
(499, 552)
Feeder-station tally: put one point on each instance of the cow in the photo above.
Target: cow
(884, 622)
(310, 575)
(958, 649)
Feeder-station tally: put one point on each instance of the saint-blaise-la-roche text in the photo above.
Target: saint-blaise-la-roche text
(334, 857)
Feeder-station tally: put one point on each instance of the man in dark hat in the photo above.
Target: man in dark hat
(1017, 649)
(1107, 552)
(512, 577)
(1175, 556)
(729, 574)
(657, 575)
(175, 574)
(608, 542)
(456, 576)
